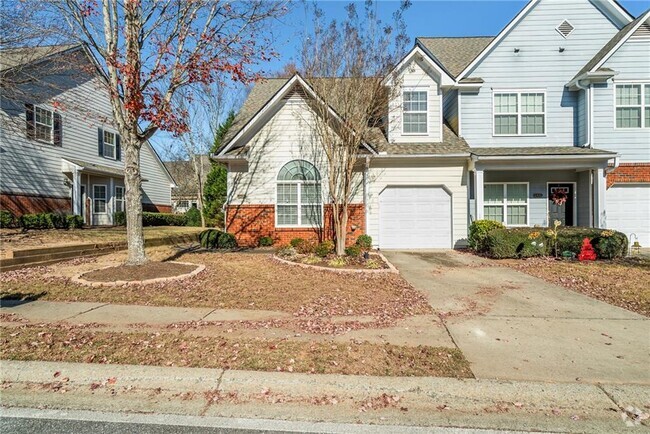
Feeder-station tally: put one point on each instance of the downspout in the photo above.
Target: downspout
(588, 112)
(365, 193)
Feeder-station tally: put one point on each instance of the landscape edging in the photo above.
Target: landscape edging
(391, 268)
(78, 279)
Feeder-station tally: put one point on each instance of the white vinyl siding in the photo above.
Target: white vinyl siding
(119, 199)
(99, 199)
(110, 145)
(633, 106)
(518, 113)
(506, 203)
(415, 112)
(43, 124)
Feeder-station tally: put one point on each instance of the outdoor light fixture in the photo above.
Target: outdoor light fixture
(366, 256)
(516, 50)
(561, 50)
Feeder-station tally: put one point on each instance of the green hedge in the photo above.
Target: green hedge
(214, 239)
(163, 219)
(529, 242)
(50, 220)
(478, 231)
(7, 220)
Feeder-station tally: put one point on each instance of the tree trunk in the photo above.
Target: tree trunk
(340, 212)
(198, 179)
(133, 185)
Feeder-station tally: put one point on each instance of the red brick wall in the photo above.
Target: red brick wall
(151, 207)
(249, 223)
(23, 204)
(628, 173)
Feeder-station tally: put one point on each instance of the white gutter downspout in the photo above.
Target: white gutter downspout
(365, 192)
(589, 112)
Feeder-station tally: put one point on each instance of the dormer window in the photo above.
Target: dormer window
(415, 112)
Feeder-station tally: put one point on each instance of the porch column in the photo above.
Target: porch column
(76, 192)
(478, 193)
(600, 186)
(110, 202)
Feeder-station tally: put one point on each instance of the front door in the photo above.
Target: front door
(560, 204)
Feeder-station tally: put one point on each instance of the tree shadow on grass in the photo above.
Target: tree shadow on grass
(19, 298)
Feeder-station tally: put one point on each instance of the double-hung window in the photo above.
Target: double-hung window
(415, 112)
(633, 106)
(99, 199)
(519, 113)
(43, 124)
(119, 198)
(506, 203)
(299, 201)
(110, 144)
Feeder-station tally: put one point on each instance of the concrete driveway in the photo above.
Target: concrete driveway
(514, 326)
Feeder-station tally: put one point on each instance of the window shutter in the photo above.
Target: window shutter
(100, 142)
(118, 147)
(29, 118)
(58, 130)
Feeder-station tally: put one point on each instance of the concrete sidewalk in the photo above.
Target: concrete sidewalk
(429, 402)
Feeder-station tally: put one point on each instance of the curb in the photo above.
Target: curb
(78, 279)
(390, 270)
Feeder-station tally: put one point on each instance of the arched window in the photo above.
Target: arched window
(299, 201)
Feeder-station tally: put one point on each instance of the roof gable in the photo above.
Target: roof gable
(420, 53)
(454, 54)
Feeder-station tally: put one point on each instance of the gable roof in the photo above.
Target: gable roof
(454, 54)
(20, 56)
(614, 44)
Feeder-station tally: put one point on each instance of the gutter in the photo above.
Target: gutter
(555, 157)
(617, 161)
(457, 155)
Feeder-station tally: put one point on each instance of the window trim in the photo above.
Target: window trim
(519, 113)
(123, 200)
(105, 199)
(113, 145)
(504, 204)
(299, 183)
(643, 106)
(37, 123)
(425, 90)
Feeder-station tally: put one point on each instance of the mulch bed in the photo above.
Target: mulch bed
(374, 262)
(134, 273)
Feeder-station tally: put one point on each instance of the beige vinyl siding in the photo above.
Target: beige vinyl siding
(407, 172)
(416, 77)
(287, 134)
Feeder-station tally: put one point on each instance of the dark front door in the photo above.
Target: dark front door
(560, 204)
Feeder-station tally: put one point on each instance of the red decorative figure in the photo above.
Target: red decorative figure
(587, 253)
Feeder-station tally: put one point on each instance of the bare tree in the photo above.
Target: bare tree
(153, 49)
(346, 63)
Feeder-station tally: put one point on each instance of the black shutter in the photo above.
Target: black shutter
(29, 118)
(118, 147)
(58, 130)
(100, 142)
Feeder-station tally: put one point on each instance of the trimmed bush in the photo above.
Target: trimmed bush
(478, 232)
(119, 218)
(75, 221)
(365, 242)
(7, 220)
(305, 247)
(528, 242)
(353, 251)
(296, 241)
(163, 219)
(265, 242)
(193, 217)
(324, 248)
(50, 220)
(214, 239)
(227, 241)
(34, 221)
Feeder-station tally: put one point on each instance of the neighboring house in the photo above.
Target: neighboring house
(526, 128)
(185, 194)
(60, 149)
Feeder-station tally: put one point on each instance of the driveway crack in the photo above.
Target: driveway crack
(86, 311)
(442, 320)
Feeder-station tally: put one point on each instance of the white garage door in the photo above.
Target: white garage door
(414, 218)
(628, 210)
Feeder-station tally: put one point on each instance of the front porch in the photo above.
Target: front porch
(536, 190)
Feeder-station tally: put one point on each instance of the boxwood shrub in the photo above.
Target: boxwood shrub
(163, 219)
(50, 220)
(528, 242)
(478, 231)
(7, 220)
(215, 239)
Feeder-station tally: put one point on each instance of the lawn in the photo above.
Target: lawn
(622, 282)
(14, 239)
(238, 281)
(77, 344)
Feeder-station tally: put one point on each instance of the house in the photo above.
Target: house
(548, 120)
(185, 194)
(60, 149)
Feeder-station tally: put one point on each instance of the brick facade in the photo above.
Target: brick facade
(152, 207)
(629, 173)
(249, 223)
(25, 204)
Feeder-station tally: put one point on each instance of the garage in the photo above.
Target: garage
(415, 218)
(628, 210)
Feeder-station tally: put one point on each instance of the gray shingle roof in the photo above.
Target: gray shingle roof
(622, 34)
(537, 150)
(13, 57)
(455, 54)
(264, 91)
(96, 168)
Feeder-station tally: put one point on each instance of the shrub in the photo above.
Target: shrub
(75, 221)
(34, 221)
(227, 241)
(56, 220)
(353, 251)
(287, 252)
(162, 219)
(193, 217)
(325, 248)
(515, 243)
(214, 239)
(296, 241)
(306, 247)
(337, 262)
(119, 218)
(7, 220)
(311, 260)
(266, 242)
(365, 242)
(373, 264)
(611, 244)
(479, 230)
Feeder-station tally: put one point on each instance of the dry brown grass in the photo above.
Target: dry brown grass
(623, 282)
(78, 344)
